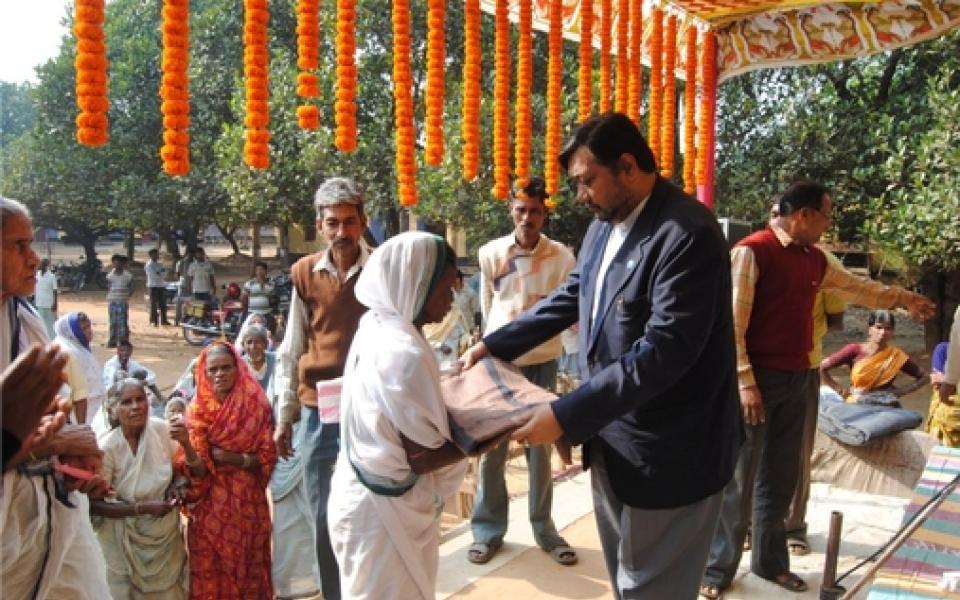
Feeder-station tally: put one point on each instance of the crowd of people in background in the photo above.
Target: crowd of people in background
(319, 464)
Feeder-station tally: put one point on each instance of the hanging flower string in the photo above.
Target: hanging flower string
(656, 82)
(308, 51)
(585, 75)
(470, 128)
(501, 102)
(524, 120)
(174, 87)
(256, 65)
(435, 81)
(668, 135)
(605, 25)
(551, 169)
(636, 61)
(708, 93)
(345, 106)
(91, 66)
(405, 135)
(623, 56)
(690, 108)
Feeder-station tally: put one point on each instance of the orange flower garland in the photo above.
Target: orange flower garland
(501, 102)
(690, 109)
(308, 51)
(524, 124)
(435, 82)
(256, 61)
(606, 19)
(470, 127)
(403, 105)
(551, 169)
(91, 66)
(623, 55)
(668, 135)
(585, 76)
(636, 61)
(656, 82)
(346, 107)
(705, 127)
(174, 87)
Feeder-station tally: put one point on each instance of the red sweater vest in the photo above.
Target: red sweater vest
(780, 333)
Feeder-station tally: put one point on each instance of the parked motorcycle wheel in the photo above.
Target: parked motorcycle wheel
(193, 337)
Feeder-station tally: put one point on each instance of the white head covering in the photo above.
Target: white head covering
(252, 320)
(400, 274)
(79, 352)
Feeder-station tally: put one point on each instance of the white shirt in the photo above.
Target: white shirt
(294, 342)
(951, 370)
(45, 295)
(200, 273)
(112, 367)
(259, 296)
(618, 235)
(155, 272)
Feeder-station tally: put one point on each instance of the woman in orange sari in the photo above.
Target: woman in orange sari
(874, 365)
(230, 424)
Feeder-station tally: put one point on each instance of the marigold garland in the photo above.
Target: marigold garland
(256, 60)
(690, 109)
(706, 110)
(656, 82)
(346, 104)
(623, 56)
(635, 94)
(436, 55)
(174, 87)
(524, 118)
(668, 120)
(551, 169)
(470, 128)
(501, 102)
(91, 67)
(606, 22)
(406, 165)
(308, 52)
(585, 75)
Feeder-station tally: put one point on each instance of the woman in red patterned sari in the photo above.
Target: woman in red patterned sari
(230, 425)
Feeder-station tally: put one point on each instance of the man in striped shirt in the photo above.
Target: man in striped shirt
(120, 288)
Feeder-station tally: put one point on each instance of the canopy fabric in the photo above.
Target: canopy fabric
(757, 34)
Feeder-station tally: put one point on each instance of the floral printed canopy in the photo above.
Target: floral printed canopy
(755, 34)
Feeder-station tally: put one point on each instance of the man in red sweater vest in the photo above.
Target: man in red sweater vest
(776, 274)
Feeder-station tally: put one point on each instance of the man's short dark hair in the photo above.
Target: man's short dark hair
(118, 258)
(152, 251)
(535, 187)
(608, 137)
(260, 263)
(124, 343)
(802, 194)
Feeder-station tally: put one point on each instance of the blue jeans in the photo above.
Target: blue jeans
(320, 445)
(490, 512)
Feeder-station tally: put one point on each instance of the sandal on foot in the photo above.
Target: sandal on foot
(711, 591)
(563, 554)
(790, 582)
(798, 546)
(480, 553)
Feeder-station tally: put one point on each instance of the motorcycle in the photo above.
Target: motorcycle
(205, 319)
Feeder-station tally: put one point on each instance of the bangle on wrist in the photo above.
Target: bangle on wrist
(247, 461)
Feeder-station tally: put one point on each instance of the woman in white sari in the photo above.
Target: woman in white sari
(74, 334)
(396, 463)
(139, 530)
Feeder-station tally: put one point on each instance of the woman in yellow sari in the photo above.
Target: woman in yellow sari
(874, 365)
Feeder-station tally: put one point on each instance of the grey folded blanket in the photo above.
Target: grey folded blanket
(857, 424)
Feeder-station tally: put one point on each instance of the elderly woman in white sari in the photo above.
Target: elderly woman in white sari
(139, 529)
(87, 392)
(396, 463)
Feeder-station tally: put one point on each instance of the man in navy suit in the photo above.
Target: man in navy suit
(657, 412)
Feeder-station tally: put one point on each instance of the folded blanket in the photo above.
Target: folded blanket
(488, 402)
(857, 424)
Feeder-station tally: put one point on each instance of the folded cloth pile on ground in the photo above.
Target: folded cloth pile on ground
(857, 424)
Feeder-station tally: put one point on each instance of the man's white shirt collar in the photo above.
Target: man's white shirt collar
(326, 261)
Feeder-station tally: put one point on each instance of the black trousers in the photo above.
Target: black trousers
(158, 306)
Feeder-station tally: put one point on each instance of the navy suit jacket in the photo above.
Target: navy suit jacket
(660, 394)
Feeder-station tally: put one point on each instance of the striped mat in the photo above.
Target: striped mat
(918, 566)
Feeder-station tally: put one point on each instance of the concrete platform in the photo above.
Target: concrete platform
(522, 570)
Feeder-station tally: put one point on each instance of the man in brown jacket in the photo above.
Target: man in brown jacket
(323, 318)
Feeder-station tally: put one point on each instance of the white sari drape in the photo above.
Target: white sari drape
(387, 546)
(33, 523)
(83, 373)
(146, 556)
